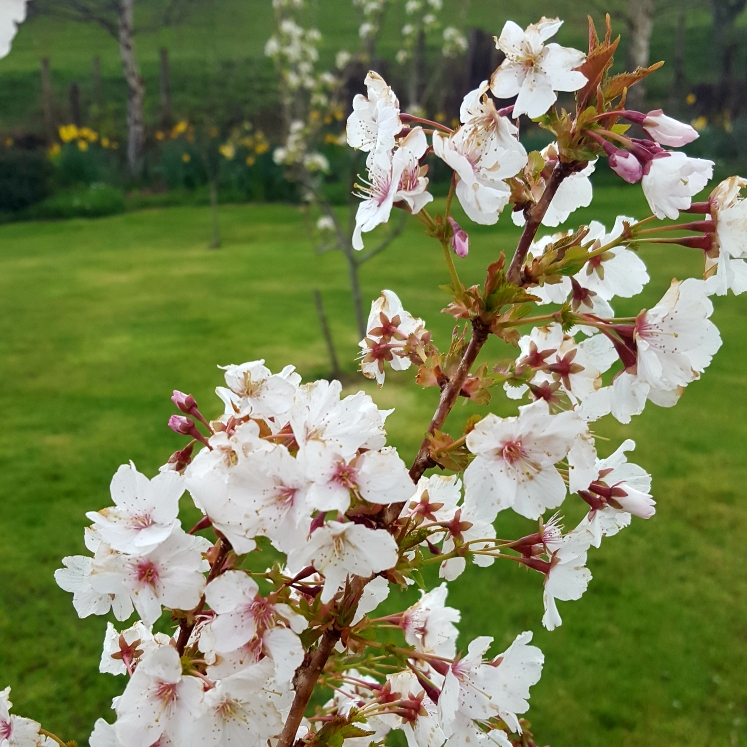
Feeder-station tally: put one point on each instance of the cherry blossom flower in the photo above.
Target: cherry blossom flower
(122, 651)
(338, 550)
(75, 577)
(675, 342)
(224, 507)
(227, 450)
(16, 731)
(514, 465)
(170, 575)
(268, 497)
(397, 178)
(144, 512)
(429, 624)
(436, 498)
(575, 368)
(254, 390)
(420, 723)
(281, 646)
(534, 70)
(374, 593)
(618, 271)
(670, 181)
(375, 121)
(621, 489)
(388, 331)
(374, 476)
(237, 711)
(318, 414)
(484, 152)
(725, 266)
(472, 522)
(479, 690)
(103, 735)
(157, 701)
(241, 612)
(567, 577)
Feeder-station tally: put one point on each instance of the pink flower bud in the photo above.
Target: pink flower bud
(459, 240)
(185, 402)
(668, 131)
(626, 165)
(186, 427)
(181, 425)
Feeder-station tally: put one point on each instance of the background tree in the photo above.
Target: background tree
(116, 17)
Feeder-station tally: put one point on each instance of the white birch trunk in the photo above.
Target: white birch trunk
(135, 88)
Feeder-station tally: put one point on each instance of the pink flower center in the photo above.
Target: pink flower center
(227, 709)
(142, 522)
(513, 451)
(346, 476)
(6, 730)
(261, 610)
(166, 692)
(286, 495)
(408, 182)
(147, 572)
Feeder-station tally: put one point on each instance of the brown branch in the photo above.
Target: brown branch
(534, 216)
(304, 682)
(449, 395)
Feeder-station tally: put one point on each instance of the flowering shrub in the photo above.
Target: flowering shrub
(307, 471)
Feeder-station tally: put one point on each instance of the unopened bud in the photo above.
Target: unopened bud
(185, 427)
(626, 165)
(185, 402)
(459, 240)
(668, 131)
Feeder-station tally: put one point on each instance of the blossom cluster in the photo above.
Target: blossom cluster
(302, 466)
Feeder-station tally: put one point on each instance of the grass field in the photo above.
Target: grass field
(100, 320)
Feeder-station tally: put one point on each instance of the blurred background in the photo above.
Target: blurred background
(129, 148)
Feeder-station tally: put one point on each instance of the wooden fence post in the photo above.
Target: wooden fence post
(50, 129)
(74, 97)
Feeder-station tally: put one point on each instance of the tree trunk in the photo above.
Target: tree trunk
(326, 332)
(48, 102)
(135, 89)
(165, 90)
(355, 289)
(213, 186)
(640, 25)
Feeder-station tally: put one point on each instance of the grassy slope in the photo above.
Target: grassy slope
(100, 320)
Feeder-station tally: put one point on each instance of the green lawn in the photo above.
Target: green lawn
(100, 320)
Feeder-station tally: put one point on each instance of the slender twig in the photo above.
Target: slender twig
(534, 216)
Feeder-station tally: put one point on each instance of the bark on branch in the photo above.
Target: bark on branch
(535, 214)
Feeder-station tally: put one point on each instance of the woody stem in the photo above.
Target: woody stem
(535, 214)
